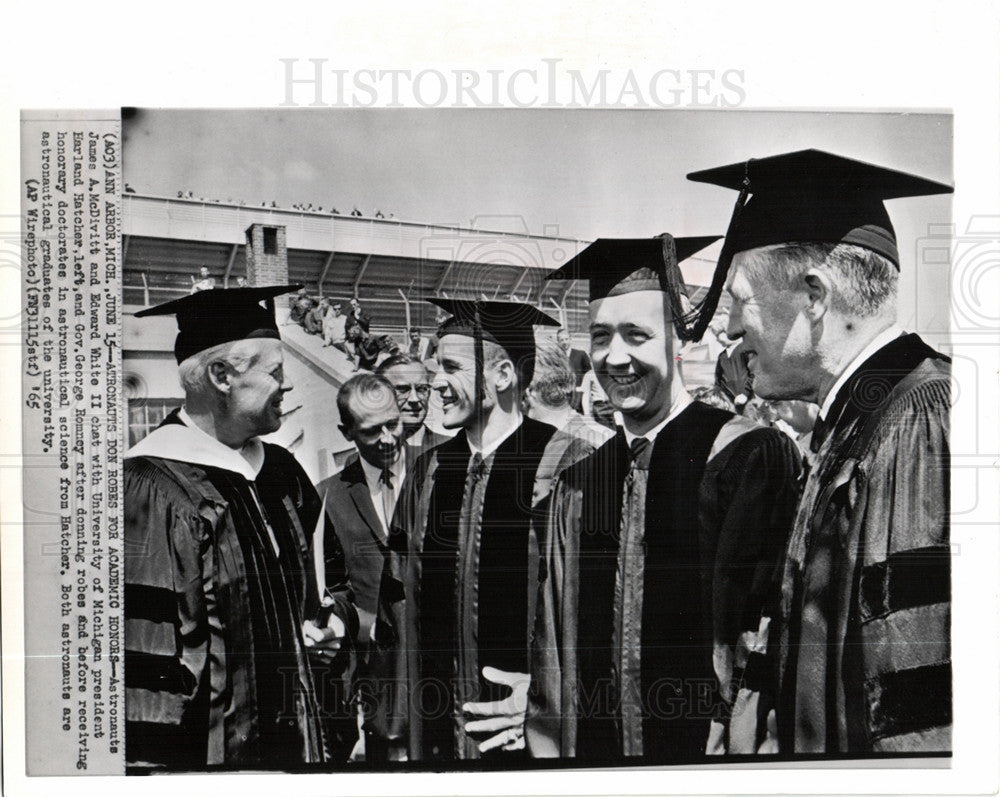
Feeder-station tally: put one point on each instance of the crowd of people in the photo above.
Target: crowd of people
(758, 567)
(306, 207)
(348, 332)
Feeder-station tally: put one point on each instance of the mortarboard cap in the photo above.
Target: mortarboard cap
(813, 196)
(508, 324)
(624, 265)
(221, 315)
(616, 266)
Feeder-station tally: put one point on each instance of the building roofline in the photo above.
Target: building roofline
(349, 217)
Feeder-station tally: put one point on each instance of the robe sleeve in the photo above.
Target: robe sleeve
(747, 508)
(172, 628)
(903, 593)
(551, 723)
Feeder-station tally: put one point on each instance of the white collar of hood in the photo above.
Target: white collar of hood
(188, 443)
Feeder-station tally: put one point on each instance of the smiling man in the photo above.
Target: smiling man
(866, 610)
(660, 546)
(225, 629)
(458, 593)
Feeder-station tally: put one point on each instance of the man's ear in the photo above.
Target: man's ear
(505, 375)
(218, 375)
(819, 292)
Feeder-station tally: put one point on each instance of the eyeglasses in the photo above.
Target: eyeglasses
(403, 390)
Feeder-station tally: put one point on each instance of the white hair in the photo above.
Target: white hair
(238, 355)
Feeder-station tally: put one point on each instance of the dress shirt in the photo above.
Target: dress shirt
(682, 405)
(485, 452)
(376, 488)
(880, 340)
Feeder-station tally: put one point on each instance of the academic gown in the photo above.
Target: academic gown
(719, 505)
(866, 659)
(216, 672)
(433, 636)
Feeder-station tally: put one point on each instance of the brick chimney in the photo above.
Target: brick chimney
(267, 256)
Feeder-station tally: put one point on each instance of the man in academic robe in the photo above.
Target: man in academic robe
(865, 660)
(457, 597)
(409, 378)
(225, 628)
(660, 548)
(549, 399)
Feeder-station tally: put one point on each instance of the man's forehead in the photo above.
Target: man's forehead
(367, 404)
(639, 307)
(266, 350)
(456, 345)
(406, 371)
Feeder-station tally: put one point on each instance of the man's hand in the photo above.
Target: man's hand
(324, 642)
(504, 718)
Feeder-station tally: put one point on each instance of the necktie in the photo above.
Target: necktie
(639, 451)
(388, 498)
(629, 586)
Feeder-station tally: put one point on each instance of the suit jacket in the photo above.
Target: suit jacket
(358, 534)
(579, 363)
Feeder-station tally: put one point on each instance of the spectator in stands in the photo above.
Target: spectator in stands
(359, 316)
(205, 280)
(579, 363)
(300, 307)
(369, 348)
(409, 378)
(335, 329)
(313, 321)
(241, 282)
(417, 345)
(432, 342)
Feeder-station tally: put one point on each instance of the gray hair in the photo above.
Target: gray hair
(553, 382)
(865, 282)
(239, 355)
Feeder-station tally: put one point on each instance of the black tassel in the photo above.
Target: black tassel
(477, 337)
(694, 324)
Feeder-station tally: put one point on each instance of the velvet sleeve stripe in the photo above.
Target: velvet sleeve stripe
(907, 579)
(157, 673)
(758, 675)
(152, 744)
(909, 700)
(154, 604)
